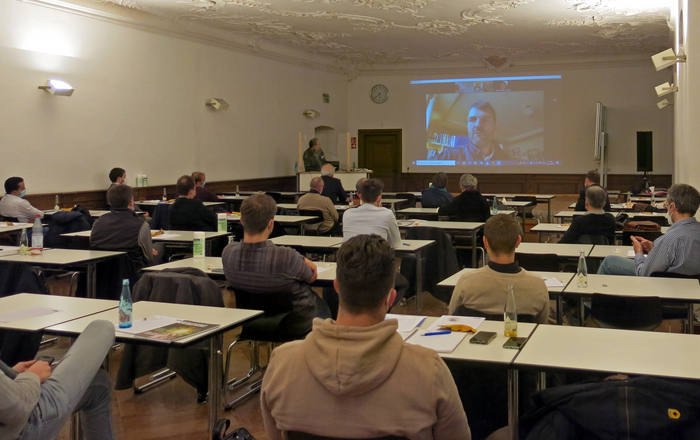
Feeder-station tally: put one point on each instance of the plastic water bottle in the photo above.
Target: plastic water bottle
(145, 180)
(23, 243)
(237, 192)
(582, 271)
(165, 195)
(221, 222)
(37, 234)
(494, 210)
(198, 245)
(126, 306)
(296, 166)
(57, 206)
(510, 315)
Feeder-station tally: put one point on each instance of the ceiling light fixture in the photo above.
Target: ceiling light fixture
(664, 103)
(58, 87)
(665, 89)
(666, 59)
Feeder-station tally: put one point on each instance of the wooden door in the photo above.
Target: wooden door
(380, 151)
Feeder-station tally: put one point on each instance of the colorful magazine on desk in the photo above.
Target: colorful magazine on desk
(177, 330)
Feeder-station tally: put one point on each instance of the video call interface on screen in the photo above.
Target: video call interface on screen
(489, 122)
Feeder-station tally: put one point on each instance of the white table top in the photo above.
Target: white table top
(613, 206)
(61, 257)
(455, 226)
(157, 202)
(562, 250)
(682, 289)
(492, 352)
(413, 245)
(184, 236)
(602, 251)
(435, 211)
(563, 277)
(392, 201)
(69, 308)
(393, 194)
(294, 206)
(4, 227)
(510, 196)
(561, 228)
(308, 241)
(517, 204)
(8, 250)
(93, 212)
(278, 218)
(208, 265)
(612, 350)
(226, 318)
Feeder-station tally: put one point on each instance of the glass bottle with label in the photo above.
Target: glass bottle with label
(510, 315)
(23, 243)
(126, 306)
(582, 271)
(37, 235)
(494, 210)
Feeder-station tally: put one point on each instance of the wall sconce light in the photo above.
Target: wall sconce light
(218, 104)
(664, 103)
(666, 59)
(312, 113)
(58, 87)
(665, 89)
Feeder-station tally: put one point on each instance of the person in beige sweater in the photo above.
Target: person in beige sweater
(485, 289)
(313, 200)
(355, 377)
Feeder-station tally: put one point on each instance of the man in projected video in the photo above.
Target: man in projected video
(480, 146)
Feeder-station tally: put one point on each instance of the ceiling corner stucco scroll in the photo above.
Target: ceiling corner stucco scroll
(129, 4)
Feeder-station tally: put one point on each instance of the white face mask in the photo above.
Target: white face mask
(204, 183)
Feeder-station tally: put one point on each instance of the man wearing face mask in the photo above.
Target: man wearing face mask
(13, 204)
(676, 251)
(481, 144)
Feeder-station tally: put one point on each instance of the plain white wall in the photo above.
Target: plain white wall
(628, 93)
(139, 104)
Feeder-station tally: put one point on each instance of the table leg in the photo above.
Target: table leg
(541, 381)
(302, 229)
(513, 403)
(419, 278)
(92, 280)
(581, 312)
(549, 210)
(560, 309)
(522, 213)
(474, 249)
(215, 381)
(691, 319)
(539, 237)
(207, 248)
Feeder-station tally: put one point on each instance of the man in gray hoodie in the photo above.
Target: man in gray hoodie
(357, 377)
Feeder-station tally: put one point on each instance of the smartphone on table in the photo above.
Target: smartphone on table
(483, 338)
(514, 343)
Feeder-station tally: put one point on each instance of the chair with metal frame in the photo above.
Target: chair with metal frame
(267, 328)
(313, 227)
(538, 262)
(674, 310)
(624, 312)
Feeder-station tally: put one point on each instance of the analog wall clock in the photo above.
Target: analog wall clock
(379, 94)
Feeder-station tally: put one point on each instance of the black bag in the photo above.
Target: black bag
(239, 434)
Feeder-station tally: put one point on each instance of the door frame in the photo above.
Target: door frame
(361, 133)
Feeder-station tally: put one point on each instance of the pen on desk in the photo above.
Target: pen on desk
(444, 332)
(406, 244)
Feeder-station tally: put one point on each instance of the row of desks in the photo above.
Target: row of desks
(561, 228)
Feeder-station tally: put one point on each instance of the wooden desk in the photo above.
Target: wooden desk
(225, 318)
(314, 244)
(66, 257)
(563, 277)
(167, 237)
(541, 198)
(432, 213)
(562, 250)
(158, 202)
(290, 220)
(470, 228)
(391, 203)
(601, 251)
(68, 308)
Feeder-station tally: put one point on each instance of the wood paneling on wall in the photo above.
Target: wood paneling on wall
(98, 200)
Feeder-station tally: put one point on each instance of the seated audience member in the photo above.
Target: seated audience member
(357, 200)
(36, 402)
(470, 205)
(332, 187)
(122, 230)
(201, 193)
(485, 289)
(359, 379)
(313, 200)
(592, 180)
(371, 217)
(596, 222)
(258, 265)
(676, 251)
(188, 213)
(117, 176)
(436, 195)
(13, 204)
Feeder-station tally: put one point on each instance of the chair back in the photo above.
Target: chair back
(410, 199)
(593, 239)
(312, 213)
(277, 197)
(9, 219)
(441, 262)
(295, 435)
(276, 307)
(625, 312)
(161, 217)
(465, 311)
(538, 262)
(649, 235)
(531, 199)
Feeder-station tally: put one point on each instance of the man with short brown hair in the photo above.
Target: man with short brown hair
(188, 213)
(359, 379)
(592, 179)
(371, 217)
(485, 289)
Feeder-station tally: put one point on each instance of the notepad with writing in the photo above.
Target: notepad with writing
(441, 343)
(552, 282)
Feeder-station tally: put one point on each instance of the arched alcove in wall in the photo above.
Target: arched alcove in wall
(329, 141)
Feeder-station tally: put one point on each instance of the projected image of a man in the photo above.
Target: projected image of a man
(480, 145)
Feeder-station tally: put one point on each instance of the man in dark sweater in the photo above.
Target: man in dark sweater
(188, 213)
(470, 206)
(592, 179)
(123, 230)
(332, 187)
(596, 222)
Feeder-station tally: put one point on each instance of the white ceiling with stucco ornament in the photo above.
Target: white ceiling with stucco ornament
(385, 35)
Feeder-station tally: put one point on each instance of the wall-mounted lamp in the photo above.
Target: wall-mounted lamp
(218, 104)
(58, 87)
(664, 103)
(666, 59)
(665, 89)
(312, 113)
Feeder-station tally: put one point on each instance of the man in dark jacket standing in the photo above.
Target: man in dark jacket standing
(470, 206)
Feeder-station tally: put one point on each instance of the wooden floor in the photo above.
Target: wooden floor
(171, 412)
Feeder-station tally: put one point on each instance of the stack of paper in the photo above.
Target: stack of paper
(407, 323)
(445, 343)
